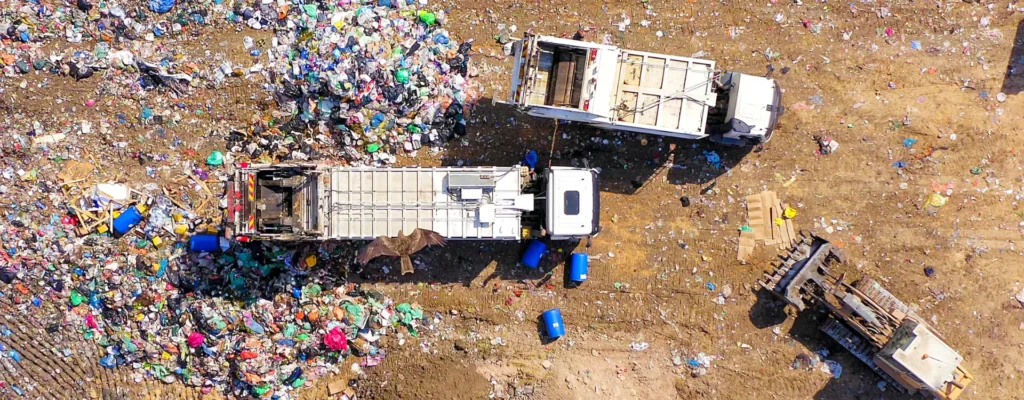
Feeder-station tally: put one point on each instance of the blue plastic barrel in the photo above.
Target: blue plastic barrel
(205, 242)
(534, 251)
(553, 323)
(127, 220)
(578, 266)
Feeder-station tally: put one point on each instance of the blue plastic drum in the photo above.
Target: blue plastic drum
(553, 324)
(534, 252)
(578, 267)
(127, 220)
(209, 243)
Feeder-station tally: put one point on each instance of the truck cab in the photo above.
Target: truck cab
(572, 209)
(749, 109)
(660, 94)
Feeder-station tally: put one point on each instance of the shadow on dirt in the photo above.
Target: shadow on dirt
(465, 261)
(1013, 81)
(768, 311)
(500, 135)
(264, 270)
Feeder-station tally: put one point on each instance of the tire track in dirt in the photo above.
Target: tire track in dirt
(32, 344)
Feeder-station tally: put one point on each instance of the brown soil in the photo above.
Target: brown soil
(650, 265)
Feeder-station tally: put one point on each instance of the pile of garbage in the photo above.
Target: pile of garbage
(139, 268)
(366, 83)
(120, 268)
(363, 83)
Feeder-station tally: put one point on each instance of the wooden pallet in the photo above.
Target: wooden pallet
(767, 223)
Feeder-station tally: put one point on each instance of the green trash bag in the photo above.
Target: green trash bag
(427, 17)
(215, 159)
(402, 75)
(76, 298)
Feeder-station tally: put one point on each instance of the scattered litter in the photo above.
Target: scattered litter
(826, 145)
(833, 368)
(713, 159)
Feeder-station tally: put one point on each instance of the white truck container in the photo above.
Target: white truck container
(290, 202)
(627, 90)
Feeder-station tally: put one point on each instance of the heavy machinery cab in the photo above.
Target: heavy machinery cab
(920, 360)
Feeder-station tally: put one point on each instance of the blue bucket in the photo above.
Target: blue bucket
(578, 267)
(207, 242)
(127, 220)
(553, 324)
(534, 252)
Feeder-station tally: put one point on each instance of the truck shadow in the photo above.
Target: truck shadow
(1013, 81)
(856, 381)
(500, 135)
(465, 262)
(265, 270)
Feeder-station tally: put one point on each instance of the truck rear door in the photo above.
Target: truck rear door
(242, 211)
(524, 69)
(664, 94)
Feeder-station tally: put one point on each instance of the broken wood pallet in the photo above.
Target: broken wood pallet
(768, 224)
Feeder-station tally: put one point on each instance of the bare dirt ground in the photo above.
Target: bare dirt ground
(853, 81)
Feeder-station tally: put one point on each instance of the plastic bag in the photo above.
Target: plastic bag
(336, 340)
(936, 200)
(215, 159)
(196, 339)
(427, 17)
(161, 6)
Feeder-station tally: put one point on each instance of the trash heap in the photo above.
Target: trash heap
(115, 265)
(366, 83)
(362, 83)
(120, 35)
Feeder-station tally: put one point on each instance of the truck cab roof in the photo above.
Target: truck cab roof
(749, 101)
(574, 207)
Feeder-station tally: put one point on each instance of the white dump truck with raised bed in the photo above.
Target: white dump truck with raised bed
(627, 90)
(292, 202)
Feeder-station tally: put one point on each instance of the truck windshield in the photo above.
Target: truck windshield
(572, 202)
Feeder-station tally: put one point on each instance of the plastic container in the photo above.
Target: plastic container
(204, 243)
(534, 252)
(553, 325)
(531, 158)
(578, 267)
(127, 220)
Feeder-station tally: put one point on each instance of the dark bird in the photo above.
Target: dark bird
(401, 246)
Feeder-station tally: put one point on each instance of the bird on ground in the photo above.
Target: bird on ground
(402, 246)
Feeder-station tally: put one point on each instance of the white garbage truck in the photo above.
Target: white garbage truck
(306, 202)
(627, 90)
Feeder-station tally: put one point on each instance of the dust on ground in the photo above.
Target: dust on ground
(849, 77)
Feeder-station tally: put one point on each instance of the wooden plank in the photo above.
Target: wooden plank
(755, 216)
(746, 246)
(787, 240)
(776, 230)
(791, 230)
(768, 200)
